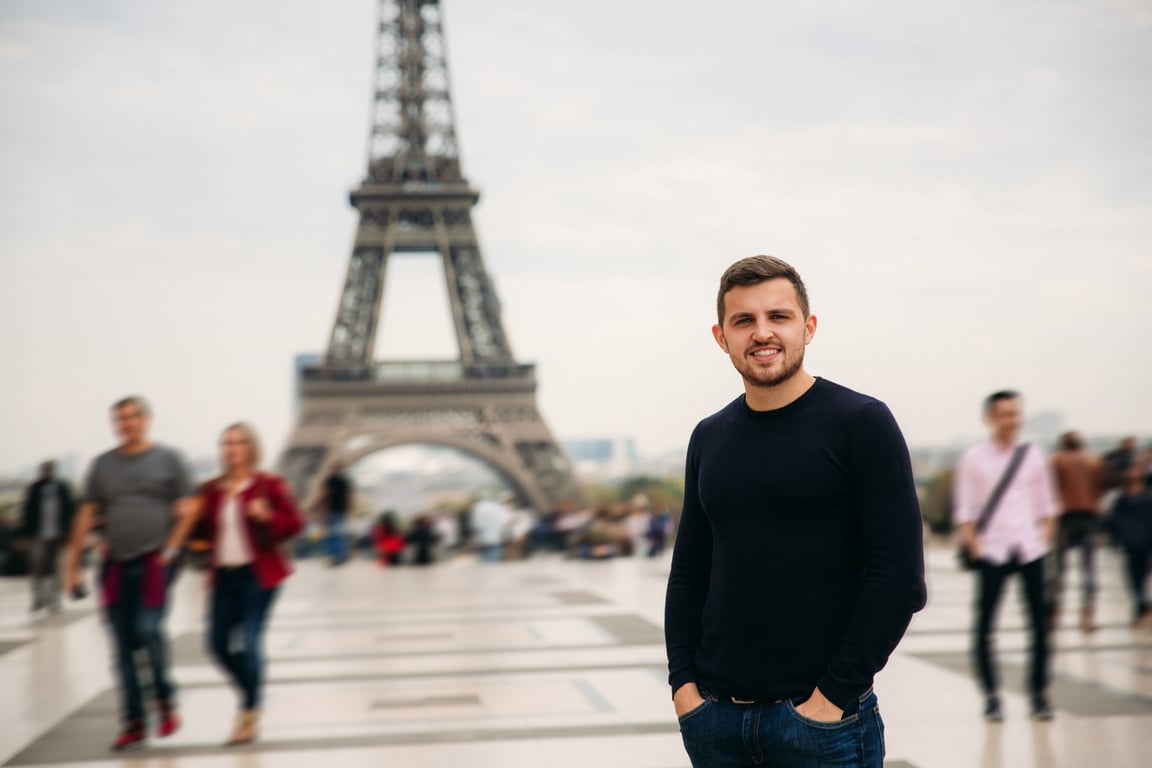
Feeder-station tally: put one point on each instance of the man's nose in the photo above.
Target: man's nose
(763, 331)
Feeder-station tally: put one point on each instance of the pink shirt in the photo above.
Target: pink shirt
(1017, 524)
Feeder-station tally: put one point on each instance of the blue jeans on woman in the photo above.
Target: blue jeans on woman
(240, 608)
(723, 734)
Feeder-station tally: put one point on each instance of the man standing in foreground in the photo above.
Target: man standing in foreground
(799, 560)
(137, 492)
(48, 513)
(1018, 534)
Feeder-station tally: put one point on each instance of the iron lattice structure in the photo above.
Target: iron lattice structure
(414, 198)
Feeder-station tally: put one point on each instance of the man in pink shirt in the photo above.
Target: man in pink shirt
(1017, 536)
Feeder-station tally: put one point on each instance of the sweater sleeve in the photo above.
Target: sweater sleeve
(286, 520)
(891, 535)
(688, 581)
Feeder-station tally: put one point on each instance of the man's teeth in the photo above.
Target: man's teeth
(764, 352)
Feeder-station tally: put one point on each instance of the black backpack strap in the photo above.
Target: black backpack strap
(1001, 486)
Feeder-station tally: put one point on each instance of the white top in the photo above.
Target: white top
(490, 520)
(232, 547)
(1016, 526)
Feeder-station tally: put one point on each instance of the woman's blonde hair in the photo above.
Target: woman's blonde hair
(253, 439)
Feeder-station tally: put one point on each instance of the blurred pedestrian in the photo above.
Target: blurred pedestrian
(388, 539)
(48, 512)
(141, 492)
(1118, 461)
(659, 527)
(1131, 524)
(799, 561)
(336, 503)
(246, 514)
(1080, 484)
(1008, 483)
(490, 522)
(423, 539)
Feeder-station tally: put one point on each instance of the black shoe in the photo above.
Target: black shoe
(1041, 709)
(992, 711)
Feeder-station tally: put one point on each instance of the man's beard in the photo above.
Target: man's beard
(791, 366)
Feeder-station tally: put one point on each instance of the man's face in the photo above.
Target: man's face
(130, 423)
(1005, 418)
(765, 331)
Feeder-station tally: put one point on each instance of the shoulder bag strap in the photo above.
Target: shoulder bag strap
(998, 491)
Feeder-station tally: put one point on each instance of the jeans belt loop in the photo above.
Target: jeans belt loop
(742, 701)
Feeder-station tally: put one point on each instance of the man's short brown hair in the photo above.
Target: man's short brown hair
(757, 269)
(139, 402)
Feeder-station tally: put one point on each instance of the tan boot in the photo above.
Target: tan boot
(247, 728)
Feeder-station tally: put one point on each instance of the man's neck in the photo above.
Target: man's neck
(134, 447)
(1004, 443)
(780, 395)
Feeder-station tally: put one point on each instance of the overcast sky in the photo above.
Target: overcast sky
(966, 188)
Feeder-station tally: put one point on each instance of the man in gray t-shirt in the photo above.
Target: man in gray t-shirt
(138, 494)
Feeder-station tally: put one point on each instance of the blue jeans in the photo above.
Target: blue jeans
(240, 608)
(337, 539)
(491, 553)
(722, 734)
(134, 628)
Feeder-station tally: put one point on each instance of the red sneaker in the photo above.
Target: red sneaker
(132, 736)
(169, 721)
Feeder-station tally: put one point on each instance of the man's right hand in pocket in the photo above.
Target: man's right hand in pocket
(687, 698)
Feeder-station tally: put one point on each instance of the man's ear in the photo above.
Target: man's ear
(809, 329)
(718, 334)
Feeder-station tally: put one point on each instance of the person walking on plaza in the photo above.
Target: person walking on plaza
(48, 512)
(1011, 477)
(246, 514)
(337, 504)
(799, 559)
(1131, 524)
(1080, 484)
(490, 522)
(141, 494)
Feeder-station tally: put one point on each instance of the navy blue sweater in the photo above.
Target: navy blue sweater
(799, 560)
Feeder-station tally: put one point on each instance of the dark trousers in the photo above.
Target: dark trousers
(136, 628)
(45, 572)
(240, 608)
(1078, 530)
(990, 586)
(1136, 564)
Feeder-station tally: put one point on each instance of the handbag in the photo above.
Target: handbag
(963, 556)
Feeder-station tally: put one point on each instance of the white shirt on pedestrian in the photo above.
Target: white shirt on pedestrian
(1017, 525)
(232, 547)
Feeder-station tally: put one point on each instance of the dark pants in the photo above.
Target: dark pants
(722, 734)
(45, 572)
(240, 608)
(1078, 530)
(1136, 564)
(136, 628)
(990, 584)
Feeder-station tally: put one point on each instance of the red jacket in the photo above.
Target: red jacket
(269, 563)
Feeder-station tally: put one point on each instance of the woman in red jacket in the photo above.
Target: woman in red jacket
(245, 515)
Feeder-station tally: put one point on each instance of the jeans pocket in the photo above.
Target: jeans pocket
(692, 713)
(821, 724)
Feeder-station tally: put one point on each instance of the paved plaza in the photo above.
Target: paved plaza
(543, 664)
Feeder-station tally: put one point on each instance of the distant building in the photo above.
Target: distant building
(299, 363)
(603, 458)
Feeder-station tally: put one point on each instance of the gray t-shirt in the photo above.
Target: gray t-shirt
(135, 494)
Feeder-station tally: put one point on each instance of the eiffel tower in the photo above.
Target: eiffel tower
(414, 198)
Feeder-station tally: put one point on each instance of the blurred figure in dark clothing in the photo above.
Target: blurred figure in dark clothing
(1131, 524)
(659, 526)
(423, 538)
(48, 512)
(389, 540)
(1079, 482)
(337, 503)
(1118, 461)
